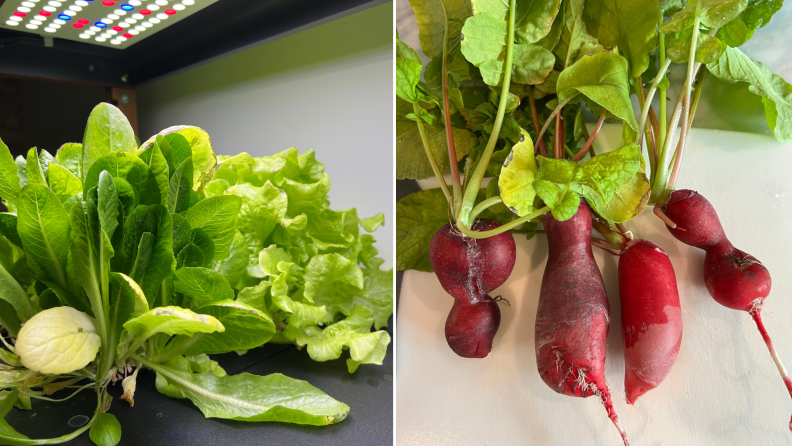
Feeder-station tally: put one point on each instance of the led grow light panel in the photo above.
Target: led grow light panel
(111, 23)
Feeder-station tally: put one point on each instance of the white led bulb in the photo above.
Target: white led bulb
(12, 23)
(59, 22)
(23, 9)
(188, 2)
(81, 3)
(153, 7)
(154, 20)
(54, 3)
(178, 7)
(75, 8)
(50, 8)
(29, 4)
(134, 2)
(161, 2)
(29, 26)
(70, 13)
(134, 32)
(162, 16)
(113, 17)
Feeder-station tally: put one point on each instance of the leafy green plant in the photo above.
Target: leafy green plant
(115, 257)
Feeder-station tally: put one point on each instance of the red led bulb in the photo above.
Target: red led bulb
(83, 21)
(145, 12)
(77, 25)
(127, 35)
(170, 11)
(22, 14)
(108, 3)
(45, 14)
(118, 28)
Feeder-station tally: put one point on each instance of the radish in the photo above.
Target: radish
(468, 269)
(733, 278)
(651, 316)
(573, 317)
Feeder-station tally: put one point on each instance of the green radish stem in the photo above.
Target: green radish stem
(484, 205)
(661, 134)
(432, 161)
(452, 158)
(688, 124)
(648, 102)
(501, 229)
(474, 183)
(557, 140)
(591, 138)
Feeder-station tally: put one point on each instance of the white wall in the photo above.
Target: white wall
(341, 108)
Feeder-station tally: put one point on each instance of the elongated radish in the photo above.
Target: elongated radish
(573, 317)
(651, 316)
(468, 269)
(733, 278)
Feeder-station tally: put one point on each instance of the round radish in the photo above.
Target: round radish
(733, 278)
(468, 269)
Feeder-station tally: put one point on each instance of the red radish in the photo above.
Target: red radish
(651, 316)
(573, 317)
(468, 269)
(733, 278)
(470, 327)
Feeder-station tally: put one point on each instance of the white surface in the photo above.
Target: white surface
(723, 389)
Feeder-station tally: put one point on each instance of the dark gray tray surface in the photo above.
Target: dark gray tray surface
(160, 420)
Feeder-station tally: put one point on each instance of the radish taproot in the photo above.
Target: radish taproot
(468, 269)
(573, 317)
(651, 316)
(735, 279)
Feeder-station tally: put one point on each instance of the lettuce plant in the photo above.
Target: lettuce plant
(115, 257)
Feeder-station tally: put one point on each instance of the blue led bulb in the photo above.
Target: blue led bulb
(100, 25)
(64, 17)
(127, 7)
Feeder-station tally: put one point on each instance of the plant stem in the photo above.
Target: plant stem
(504, 228)
(686, 92)
(639, 91)
(552, 115)
(687, 124)
(474, 183)
(539, 142)
(610, 235)
(590, 141)
(484, 205)
(648, 102)
(769, 343)
(557, 140)
(663, 106)
(452, 158)
(432, 161)
(663, 217)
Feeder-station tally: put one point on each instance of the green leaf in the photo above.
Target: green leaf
(561, 183)
(759, 12)
(734, 34)
(190, 256)
(435, 18)
(181, 232)
(91, 252)
(170, 321)
(43, 226)
(8, 229)
(354, 333)
(204, 286)
(630, 26)
(204, 160)
(63, 182)
(332, 280)
(202, 241)
(245, 328)
(58, 341)
(552, 38)
(714, 14)
(534, 19)
(108, 204)
(234, 266)
(573, 35)
(776, 93)
(411, 159)
(9, 179)
(141, 303)
(69, 156)
(35, 173)
(247, 397)
(408, 71)
(158, 165)
(128, 167)
(627, 202)
(516, 177)
(418, 217)
(122, 305)
(157, 221)
(270, 257)
(708, 49)
(14, 294)
(603, 79)
(377, 295)
(484, 45)
(217, 217)
(10, 320)
(108, 131)
(106, 430)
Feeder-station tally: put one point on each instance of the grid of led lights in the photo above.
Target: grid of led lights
(115, 23)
